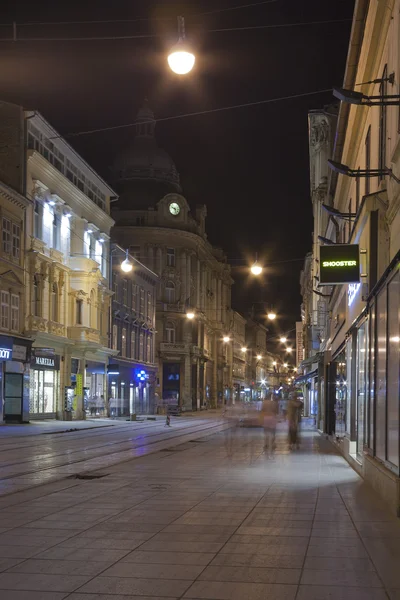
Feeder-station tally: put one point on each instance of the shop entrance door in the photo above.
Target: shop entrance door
(13, 389)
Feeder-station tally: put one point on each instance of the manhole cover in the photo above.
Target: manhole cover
(84, 476)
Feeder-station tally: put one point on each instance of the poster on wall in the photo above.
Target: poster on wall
(339, 264)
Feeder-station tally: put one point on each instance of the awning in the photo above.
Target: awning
(307, 362)
(306, 377)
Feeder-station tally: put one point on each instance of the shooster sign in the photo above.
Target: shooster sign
(339, 263)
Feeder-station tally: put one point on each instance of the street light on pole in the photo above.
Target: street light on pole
(181, 59)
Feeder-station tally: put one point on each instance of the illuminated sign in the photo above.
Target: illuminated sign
(5, 354)
(339, 263)
(142, 375)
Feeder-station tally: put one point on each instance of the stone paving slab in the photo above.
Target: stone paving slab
(207, 521)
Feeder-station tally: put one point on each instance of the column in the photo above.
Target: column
(159, 262)
(77, 227)
(203, 286)
(186, 394)
(214, 391)
(188, 278)
(219, 300)
(214, 300)
(197, 283)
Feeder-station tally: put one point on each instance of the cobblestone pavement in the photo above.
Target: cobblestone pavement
(208, 518)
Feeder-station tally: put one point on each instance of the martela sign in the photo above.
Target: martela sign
(339, 263)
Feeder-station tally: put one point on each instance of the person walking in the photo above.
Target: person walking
(269, 411)
(294, 415)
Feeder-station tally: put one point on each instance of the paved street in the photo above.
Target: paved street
(205, 515)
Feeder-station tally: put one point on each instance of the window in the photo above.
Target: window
(382, 125)
(141, 345)
(36, 296)
(38, 220)
(93, 310)
(380, 361)
(149, 307)
(141, 309)
(368, 158)
(54, 303)
(14, 312)
(115, 337)
(170, 292)
(393, 358)
(134, 298)
(123, 342)
(16, 240)
(170, 257)
(56, 231)
(170, 332)
(5, 310)
(6, 236)
(115, 288)
(92, 247)
(133, 344)
(79, 310)
(125, 292)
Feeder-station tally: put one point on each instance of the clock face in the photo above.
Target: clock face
(174, 208)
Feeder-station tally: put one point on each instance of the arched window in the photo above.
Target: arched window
(93, 310)
(170, 332)
(54, 303)
(36, 296)
(170, 292)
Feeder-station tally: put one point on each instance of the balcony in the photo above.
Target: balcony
(201, 352)
(56, 328)
(37, 324)
(84, 334)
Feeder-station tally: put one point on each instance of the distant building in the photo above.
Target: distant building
(133, 371)
(154, 221)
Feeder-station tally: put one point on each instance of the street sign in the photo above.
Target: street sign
(339, 264)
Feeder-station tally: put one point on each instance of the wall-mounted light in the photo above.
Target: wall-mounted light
(345, 170)
(352, 97)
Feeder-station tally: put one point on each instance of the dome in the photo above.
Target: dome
(143, 160)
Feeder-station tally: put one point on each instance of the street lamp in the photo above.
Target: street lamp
(256, 269)
(283, 340)
(126, 265)
(353, 97)
(244, 349)
(285, 365)
(259, 357)
(226, 339)
(271, 315)
(345, 170)
(190, 315)
(289, 350)
(181, 60)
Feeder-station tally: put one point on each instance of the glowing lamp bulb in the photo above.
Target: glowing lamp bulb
(126, 266)
(259, 357)
(190, 315)
(271, 316)
(256, 269)
(181, 60)
(226, 339)
(244, 349)
(283, 340)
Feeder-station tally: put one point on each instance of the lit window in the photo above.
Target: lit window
(5, 310)
(79, 309)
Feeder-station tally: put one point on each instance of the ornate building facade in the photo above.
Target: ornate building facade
(66, 265)
(154, 221)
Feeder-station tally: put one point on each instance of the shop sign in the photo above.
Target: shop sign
(19, 352)
(5, 354)
(6, 348)
(339, 264)
(45, 358)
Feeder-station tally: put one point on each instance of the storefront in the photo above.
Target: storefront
(44, 384)
(131, 389)
(95, 401)
(14, 379)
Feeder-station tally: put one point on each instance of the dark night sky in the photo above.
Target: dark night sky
(249, 165)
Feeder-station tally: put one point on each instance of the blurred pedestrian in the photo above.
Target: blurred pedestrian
(269, 412)
(295, 407)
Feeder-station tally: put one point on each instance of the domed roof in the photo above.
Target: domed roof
(143, 159)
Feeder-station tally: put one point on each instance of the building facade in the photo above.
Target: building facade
(154, 221)
(66, 265)
(15, 346)
(239, 351)
(359, 360)
(132, 373)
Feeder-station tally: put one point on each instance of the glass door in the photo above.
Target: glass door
(361, 386)
(13, 396)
